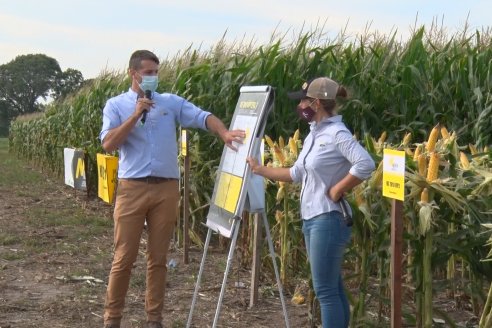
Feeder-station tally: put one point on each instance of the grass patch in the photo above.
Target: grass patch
(6, 239)
(73, 217)
(177, 324)
(13, 256)
(37, 244)
(138, 279)
(14, 171)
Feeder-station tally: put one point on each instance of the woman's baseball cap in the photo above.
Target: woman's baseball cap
(318, 88)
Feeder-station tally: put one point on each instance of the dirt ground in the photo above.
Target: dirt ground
(55, 256)
(56, 253)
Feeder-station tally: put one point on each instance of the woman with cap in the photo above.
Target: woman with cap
(330, 164)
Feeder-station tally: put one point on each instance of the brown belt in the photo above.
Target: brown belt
(150, 179)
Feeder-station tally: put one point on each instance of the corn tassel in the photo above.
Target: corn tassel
(433, 170)
(422, 163)
(431, 143)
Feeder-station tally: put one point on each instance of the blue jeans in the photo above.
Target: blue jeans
(326, 236)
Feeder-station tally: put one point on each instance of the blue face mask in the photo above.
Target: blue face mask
(149, 82)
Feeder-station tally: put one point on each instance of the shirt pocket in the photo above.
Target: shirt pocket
(324, 152)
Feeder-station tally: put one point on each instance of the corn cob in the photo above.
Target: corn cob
(473, 149)
(377, 177)
(359, 200)
(464, 161)
(296, 135)
(382, 138)
(279, 215)
(424, 196)
(422, 164)
(280, 194)
(431, 143)
(298, 298)
(281, 142)
(279, 155)
(293, 146)
(433, 170)
(444, 132)
(370, 143)
(269, 141)
(418, 151)
(407, 138)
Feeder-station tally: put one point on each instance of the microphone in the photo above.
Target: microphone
(346, 216)
(148, 95)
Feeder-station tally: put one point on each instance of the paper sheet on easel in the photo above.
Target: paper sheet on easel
(255, 200)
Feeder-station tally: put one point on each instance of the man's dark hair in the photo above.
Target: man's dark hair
(139, 55)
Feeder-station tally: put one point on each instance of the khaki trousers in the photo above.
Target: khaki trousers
(137, 202)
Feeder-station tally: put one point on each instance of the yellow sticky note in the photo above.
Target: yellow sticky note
(228, 190)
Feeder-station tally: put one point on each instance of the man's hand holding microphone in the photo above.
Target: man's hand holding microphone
(144, 105)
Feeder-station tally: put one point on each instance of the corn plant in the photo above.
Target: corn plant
(402, 87)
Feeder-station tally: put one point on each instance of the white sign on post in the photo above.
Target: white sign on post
(74, 168)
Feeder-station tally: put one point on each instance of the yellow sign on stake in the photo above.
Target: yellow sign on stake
(394, 174)
(107, 168)
(184, 142)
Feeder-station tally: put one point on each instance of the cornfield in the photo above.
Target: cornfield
(429, 96)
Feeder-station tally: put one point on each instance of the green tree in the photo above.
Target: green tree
(4, 119)
(25, 80)
(67, 82)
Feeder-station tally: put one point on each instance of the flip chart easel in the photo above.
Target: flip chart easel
(237, 189)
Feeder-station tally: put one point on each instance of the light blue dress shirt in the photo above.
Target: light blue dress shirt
(151, 148)
(329, 152)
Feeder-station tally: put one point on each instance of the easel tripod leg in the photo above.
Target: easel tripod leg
(235, 227)
(272, 255)
(197, 285)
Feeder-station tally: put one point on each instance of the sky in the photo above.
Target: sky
(94, 36)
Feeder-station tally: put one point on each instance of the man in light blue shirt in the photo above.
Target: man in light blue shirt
(141, 124)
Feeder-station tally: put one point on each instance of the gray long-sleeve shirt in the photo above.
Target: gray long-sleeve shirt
(328, 154)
